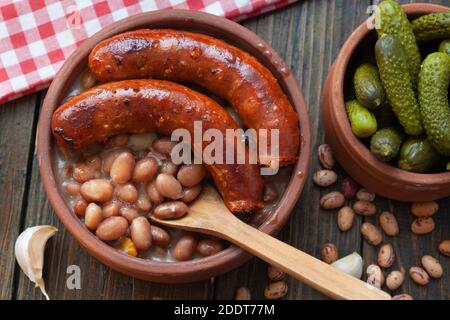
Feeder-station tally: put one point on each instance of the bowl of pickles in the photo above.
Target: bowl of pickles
(385, 107)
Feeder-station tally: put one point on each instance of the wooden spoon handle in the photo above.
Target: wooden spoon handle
(317, 274)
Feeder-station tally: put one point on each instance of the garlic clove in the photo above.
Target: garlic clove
(29, 250)
(351, 264)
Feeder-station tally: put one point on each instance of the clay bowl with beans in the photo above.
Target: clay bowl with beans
(104, 194)
(354, 156)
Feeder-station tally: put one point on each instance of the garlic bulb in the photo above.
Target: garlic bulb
(351, 264)
(29, 251)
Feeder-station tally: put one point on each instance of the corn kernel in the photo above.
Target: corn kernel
(127, 246)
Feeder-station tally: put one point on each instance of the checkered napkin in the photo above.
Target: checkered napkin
(36, 36)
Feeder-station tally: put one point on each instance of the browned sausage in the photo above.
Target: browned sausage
(223, 69)
(161, 106)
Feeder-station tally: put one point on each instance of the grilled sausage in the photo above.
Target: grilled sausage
(223, 69)
(161, 106)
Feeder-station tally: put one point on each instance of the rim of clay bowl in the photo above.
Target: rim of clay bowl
(197, 269)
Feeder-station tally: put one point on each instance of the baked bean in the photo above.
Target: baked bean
(208, 247)
(160, 237)
(83, 172)
(141, 141)
(386, 256)
(110, 209)
(109, 157)
(444, 248)
(127, 192)
(389, 224)
(371, 233)
(364, 208)
(190, 194)
(422, 225)
(79, 207)
(143, 204)
(97, 190)
(159, 253)
(163, 145)
(325, 177)
(129, 213)
(332, 200)
(432, 266)
(243, 293)
(270, 192)
(345, 218)
(170, 210)
(93, 216)
(112, 228)
(419, 275)
(276, 290)
(184, 248)
(275, 274)
(87, 80)
(191, 174)
(122, 168)
(329, 253)
(153, 194)
(141, 233)
(119, 140)
(72, 188)
(95, 162)
(365, 195)
(169, 167)
(424, 209)
(145, 170)
(168, 186)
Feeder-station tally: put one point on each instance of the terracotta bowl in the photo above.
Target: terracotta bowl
(377, 176)
(171, 272)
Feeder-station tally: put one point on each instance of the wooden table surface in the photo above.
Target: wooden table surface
(308, 35)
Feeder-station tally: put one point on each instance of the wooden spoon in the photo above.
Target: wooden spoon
(208, 214)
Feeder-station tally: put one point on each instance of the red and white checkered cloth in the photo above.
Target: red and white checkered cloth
(36, 36)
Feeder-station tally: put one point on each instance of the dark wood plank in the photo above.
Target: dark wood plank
(409, 247)
(308, 36)
(16, 136)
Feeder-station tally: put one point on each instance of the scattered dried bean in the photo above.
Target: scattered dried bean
(329, 253)
(326, 156)
(422, 225)
(419, 275)
(371, 233)
(389, 224)
(386, 256)
(276, 290)
(432, 266)
(332, 200)
(424, 209)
